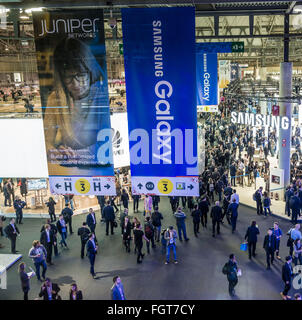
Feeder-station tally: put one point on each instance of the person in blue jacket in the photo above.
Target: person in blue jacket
(233, 209)
(117, 291)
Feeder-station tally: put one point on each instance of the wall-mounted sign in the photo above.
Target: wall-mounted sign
(253, 120)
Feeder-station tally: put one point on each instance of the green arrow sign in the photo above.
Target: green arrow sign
(238, 46)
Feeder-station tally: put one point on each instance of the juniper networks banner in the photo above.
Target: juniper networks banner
(72, 72)
(159, 54)
(207, 79)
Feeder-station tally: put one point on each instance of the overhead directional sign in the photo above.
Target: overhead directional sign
(82, 186)
(220, 47)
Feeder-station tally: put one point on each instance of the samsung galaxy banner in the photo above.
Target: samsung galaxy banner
(72, 71)
(207, 79)
(159, 53)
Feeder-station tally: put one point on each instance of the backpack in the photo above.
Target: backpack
(66, 217)
(225, 269)
(148, 231)
(254, 197)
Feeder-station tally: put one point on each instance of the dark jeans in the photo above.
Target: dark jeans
(232, 285)
(55, 249)
(44, 267)
(216, 223)
(298, 259)
(135, 204)
(63, 236)
(182, 230)
(196, 227)
(148, 243)
(267, 209)
(107, 227)
(287, 208)
(92, 260)
(25, 291)
(70, 225)
(204, 219)
(83, 244)
(233, 181)
(233, 223)
(48, 248)
(277, 247)
(252, 248)
(13, 243)
(19, 216)
(7, 198)
(287, 287)
(259, 207)
(269, 257)
(92, 227)
(139, 251)
(52, 216)
(127, 244)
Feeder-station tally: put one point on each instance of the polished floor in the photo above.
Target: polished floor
(197, 276)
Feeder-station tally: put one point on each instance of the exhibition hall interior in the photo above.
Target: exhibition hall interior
(151, 150)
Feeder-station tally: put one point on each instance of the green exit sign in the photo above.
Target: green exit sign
(121, 47)
(238, 46)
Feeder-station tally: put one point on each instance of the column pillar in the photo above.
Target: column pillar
(284, 140)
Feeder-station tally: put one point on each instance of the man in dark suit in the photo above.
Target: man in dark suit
(216, 215)
(52, 288)
(109, 217)
(12, 231)
(19, 205)
(48, 240)
(251, 237)
(92, 249)
(269, 246)
(287, 272)
(54, 229)
(233, 209)
(91, 220)
(67, 214)
(84, 233)
(117, 291)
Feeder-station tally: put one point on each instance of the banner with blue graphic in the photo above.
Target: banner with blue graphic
(159, 53)
(207, 79)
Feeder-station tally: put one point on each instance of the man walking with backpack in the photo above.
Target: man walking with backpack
(231, 270)
(156, 218)
(67, 214)
(84, 233)
(170, 237)
(149, 233)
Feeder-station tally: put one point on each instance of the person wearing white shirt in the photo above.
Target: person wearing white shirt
(235, 196)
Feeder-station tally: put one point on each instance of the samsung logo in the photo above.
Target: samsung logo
(69, 26)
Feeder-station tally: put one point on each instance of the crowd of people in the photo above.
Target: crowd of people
(152, 232)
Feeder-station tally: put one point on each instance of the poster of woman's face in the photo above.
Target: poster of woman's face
(74, 92)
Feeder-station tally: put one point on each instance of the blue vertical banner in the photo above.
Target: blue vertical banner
(160, 71)
(207, 81)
